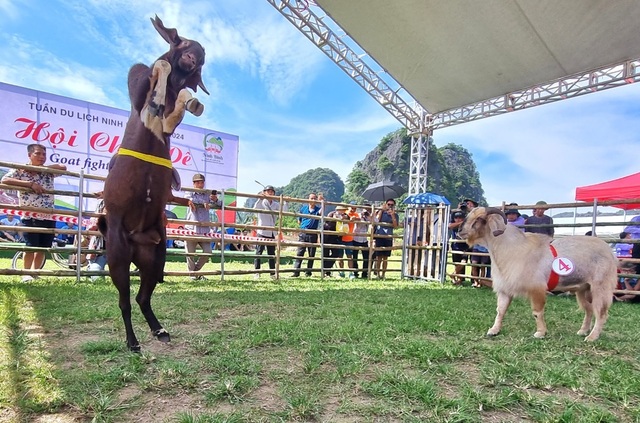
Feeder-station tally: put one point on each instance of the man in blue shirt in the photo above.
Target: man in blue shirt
(308, 223)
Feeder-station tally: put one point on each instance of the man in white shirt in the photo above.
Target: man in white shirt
(269, 234)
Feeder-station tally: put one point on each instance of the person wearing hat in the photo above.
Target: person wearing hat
(514, 217)
(539, 218)
(458, 249)
(199, 203)
(267, 215)
(332, 252)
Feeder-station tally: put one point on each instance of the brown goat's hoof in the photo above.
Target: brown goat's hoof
(162, 335)
(195, 107)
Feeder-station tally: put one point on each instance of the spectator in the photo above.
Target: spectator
(307, 223)
(384, 239)
(10, 236)
(628, 283)
(40, 186)
(267, 219)
(199, 204)
(623, 249)
(67, 238)
(514, 217)
(458, 249)
(347, 239)
(539, 218)
(360, 239)
(332, 250)
(98, 260)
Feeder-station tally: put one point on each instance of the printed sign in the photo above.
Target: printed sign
(84, 136)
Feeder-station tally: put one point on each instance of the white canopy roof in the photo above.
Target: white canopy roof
(450, 53)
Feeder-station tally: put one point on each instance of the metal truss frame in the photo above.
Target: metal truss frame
(418, 121)
(606, 77)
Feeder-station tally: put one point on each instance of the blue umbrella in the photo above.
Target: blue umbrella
(426, 198)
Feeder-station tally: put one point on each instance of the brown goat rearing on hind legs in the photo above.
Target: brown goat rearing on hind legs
(138, 186)
(521, 265)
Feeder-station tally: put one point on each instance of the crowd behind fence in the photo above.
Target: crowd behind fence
(286, 242)
(423, 239)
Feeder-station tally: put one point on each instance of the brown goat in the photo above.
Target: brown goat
(138, 186)
(521, 265)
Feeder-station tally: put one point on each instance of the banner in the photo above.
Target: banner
(84, 136)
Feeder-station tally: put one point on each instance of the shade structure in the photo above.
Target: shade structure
(625, 188)
(426, 198)
(381, 191)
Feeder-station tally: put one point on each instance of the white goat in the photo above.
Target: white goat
(521, 265)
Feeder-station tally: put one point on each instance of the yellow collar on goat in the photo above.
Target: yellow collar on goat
(146, 157)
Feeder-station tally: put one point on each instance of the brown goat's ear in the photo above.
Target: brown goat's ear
(170, 35)
(194, 81)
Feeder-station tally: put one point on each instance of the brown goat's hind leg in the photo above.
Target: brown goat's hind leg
(538, 299)
(144, 301)
(584, 301)
(121, 281)
(503, 304)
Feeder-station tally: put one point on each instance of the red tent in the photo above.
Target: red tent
(625, 188)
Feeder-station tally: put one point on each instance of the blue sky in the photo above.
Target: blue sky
(292, 107)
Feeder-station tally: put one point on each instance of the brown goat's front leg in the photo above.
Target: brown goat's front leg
(152, 112)
(504, 301)
(184, 102)
(538, 299)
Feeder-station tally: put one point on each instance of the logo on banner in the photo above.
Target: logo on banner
(213, 144)
(213, 147)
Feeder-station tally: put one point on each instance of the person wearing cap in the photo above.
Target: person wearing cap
(308, 223)
(539, 218)
(332, 251)
(267, 217)
(198, 203)
(514, 217)
(458, 249)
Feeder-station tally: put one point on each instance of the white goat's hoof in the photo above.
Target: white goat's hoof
(590, 338)
(582, 332)
(492, 333)
(539, 335)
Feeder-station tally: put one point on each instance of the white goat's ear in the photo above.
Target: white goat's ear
(496, 225)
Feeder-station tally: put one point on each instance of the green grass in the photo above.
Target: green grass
(307, 350)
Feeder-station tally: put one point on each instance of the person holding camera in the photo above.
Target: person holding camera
(384, 236)
(199, 204)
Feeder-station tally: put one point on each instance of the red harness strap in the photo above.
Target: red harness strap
(554, 278)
